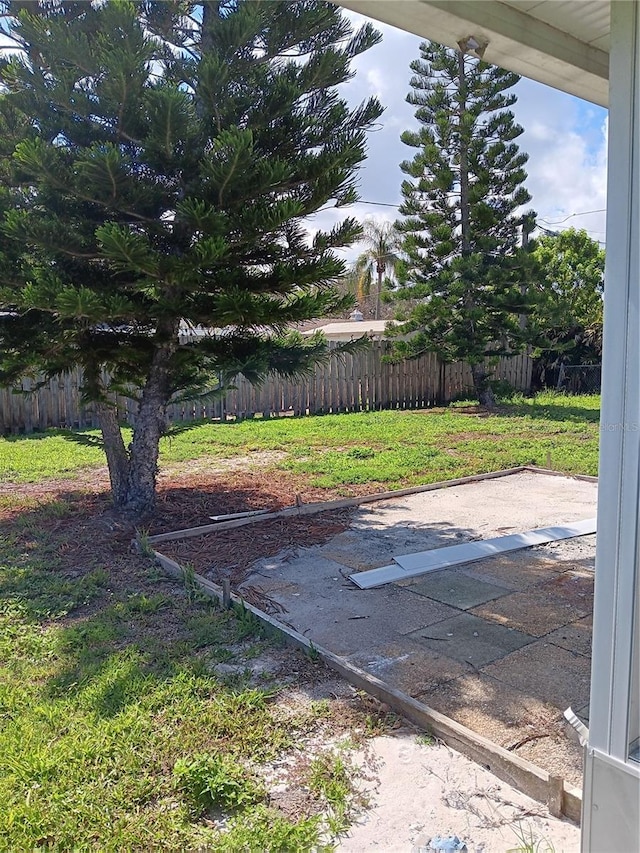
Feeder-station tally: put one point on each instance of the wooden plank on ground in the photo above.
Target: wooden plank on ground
(321, 506)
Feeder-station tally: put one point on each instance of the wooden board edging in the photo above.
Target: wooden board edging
(516, 771)
(550, 472)
(322, 506)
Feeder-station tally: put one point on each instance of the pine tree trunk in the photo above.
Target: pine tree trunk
(115, 451)
(464, 159)
(149, 427)
(465, 226)
(527, 227)
(481, 386)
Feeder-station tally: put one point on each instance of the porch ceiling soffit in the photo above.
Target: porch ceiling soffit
(562, 43)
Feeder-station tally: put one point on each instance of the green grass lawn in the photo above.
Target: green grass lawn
(394, 448)
(116, 731)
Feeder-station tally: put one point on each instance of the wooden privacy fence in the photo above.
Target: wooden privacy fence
(347, 383)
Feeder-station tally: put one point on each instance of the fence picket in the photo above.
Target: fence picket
(354, 382)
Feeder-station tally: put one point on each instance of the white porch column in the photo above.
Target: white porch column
(611, 808)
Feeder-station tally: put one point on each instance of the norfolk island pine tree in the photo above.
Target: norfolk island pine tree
(158, 162)
(465, 270)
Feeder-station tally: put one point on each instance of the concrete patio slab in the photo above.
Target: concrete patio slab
(547, 672)
(476, 695)
(455, 588)
(409, 666)
(314, 599)
(361, 549)
(471, 640)
(575, 637)
(523, 724)
(489, 668)
(519, 570)
(574, 588)
(521, 501)
(536, 611)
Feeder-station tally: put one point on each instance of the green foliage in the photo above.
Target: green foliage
(247, 623)
(215, 781)
(380, 261)
(144, 545)
(465, 273)
(573, 268)
(393, 463)
(425, 740)
(313, 653)
(156, 166)
(264, 830)
(192, 588)
(56, 453)
(361, 453)
(330, 779)
(568, 317)
(102, 695)
(528, 842)
(45, 594)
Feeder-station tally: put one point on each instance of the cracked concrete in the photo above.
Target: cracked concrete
(516, 623)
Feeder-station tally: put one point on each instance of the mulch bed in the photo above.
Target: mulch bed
(230, 553)
(92, 528)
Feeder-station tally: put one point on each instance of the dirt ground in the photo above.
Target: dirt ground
(420, 791)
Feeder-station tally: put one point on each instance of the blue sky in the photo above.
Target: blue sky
(564, 137)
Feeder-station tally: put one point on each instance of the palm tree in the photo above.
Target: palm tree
(381, 256)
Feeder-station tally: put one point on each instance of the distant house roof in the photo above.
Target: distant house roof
(351, 329)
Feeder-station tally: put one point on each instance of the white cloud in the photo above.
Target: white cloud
(567, 146)
(377, 85)
(564, 137)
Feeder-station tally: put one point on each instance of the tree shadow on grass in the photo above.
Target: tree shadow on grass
(121, 627)
(88, 436)
(550, 412)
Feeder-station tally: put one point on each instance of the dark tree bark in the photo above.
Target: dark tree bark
(115, 451)
(133, 471)
(149, 426)
(381, 268)
(481, 386)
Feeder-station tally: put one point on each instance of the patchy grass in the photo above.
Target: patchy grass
(391, 448)
(331, 779)
(528, 843)
(116, 733)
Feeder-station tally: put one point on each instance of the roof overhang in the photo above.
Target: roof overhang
(562, 43)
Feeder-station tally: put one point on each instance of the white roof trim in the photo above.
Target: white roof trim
(516, 39)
